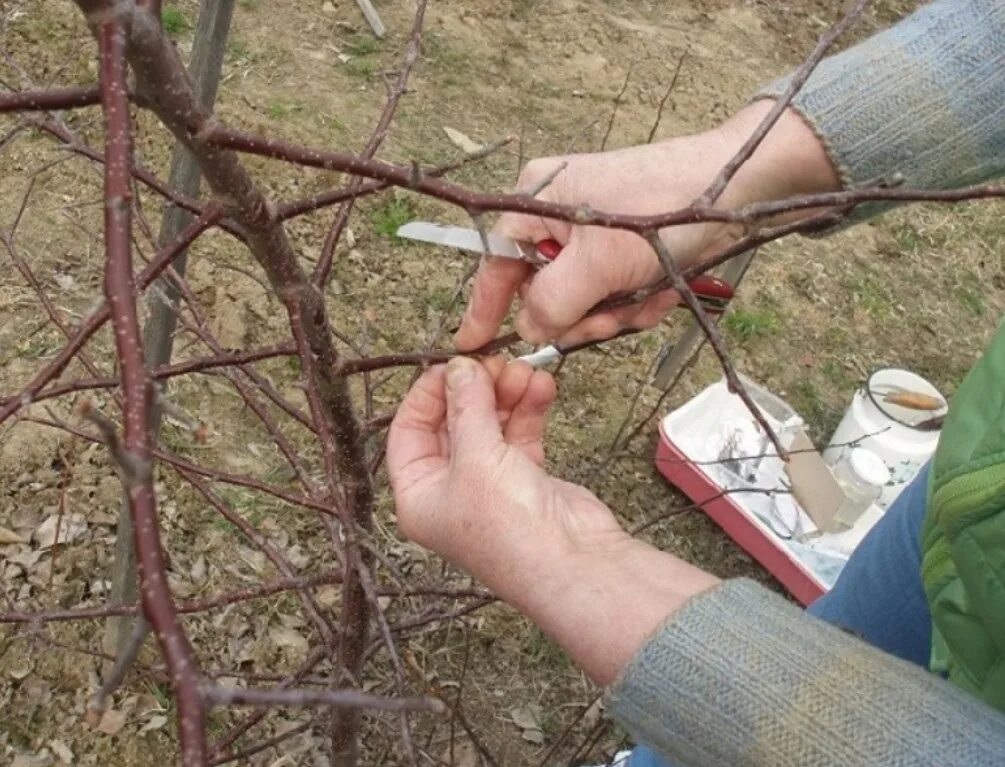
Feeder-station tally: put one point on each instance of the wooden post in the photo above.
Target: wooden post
(370, 14)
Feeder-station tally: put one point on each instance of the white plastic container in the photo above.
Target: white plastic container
(862, 475)
(892, 432)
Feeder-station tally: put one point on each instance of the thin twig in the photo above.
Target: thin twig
(666, 97)
(796, 82)
(715, 339)
(233, 696)
(323, 269)
(614, 110)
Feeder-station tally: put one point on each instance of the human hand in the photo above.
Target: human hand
(465, 457)
(597, 262)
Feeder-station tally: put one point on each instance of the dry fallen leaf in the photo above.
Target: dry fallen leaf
(62, 751)
(71, 527)
(533, 735)
(147, 704)
(9, 536)
(19, 671)
(461, 141)
(42, 759)
(198, 571)
(465, 755)
(65, 281)
(529, 719)
(111, 722)
(283, 636)
(528, 716)
(155, 723)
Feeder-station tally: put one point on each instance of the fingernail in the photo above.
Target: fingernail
(460, 370)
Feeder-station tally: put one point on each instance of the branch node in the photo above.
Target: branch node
(415, 175)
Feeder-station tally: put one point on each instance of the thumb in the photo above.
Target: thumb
(472, 421)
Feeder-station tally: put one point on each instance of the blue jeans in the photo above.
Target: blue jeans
(878, 595)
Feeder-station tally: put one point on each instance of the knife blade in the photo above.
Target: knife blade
(461, 238)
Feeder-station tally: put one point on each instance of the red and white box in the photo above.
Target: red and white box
(712, 449)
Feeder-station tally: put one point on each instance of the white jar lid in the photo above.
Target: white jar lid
(868, 467)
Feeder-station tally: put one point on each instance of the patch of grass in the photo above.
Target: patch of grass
(250, 5)
(541, 652)
(278, 110)
(440, 298)
(175, 22)
(361, 50)
(969, 291)
(835, 336)
(31, 349)
(871, 295)
(836, 373)
(248, 504)
(238, 50)
(908, 239)
(359, 67)
(162, 694)
(744, 324)
(523, 9)
(809, 402)
(450, 62)
(392, 216)
(363, 45)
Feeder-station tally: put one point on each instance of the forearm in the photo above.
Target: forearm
(739, 676)
(923, 100)
(602, 605)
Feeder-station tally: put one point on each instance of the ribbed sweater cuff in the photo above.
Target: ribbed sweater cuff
(742, 677)
(924, 100)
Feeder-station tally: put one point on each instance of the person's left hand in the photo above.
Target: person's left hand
(465, 457)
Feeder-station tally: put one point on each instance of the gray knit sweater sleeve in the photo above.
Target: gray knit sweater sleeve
(742, 678)
(925, 99)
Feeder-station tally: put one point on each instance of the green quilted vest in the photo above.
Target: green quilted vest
(963, 539)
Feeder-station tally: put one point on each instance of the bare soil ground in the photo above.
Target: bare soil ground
(922, 288)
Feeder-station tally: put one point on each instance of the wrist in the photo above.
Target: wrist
(604, 602)
(791, 160)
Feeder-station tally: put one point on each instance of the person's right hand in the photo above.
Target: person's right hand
(596, 262)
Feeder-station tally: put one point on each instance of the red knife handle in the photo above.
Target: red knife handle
(706, 286)
(549, 249)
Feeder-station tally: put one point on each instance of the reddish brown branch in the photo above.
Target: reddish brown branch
(230, 737)
(120, 292)
(324, 265)
(50, 99)
(332, 197)
(342, 698)
(77, 146)
(404, 177)
(235, 596)
(286, 448)
(715, 339)
(798, 79)
(196, 365)
(96, 320)
(251, 750)
(213, 474)
(666, 97)
(314, 610)
(50, 309)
